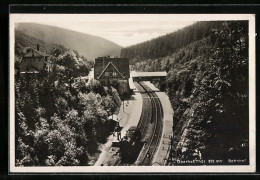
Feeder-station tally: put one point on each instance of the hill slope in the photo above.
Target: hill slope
(22, 41)
(87, 45)
(207, 84)
(169, 43)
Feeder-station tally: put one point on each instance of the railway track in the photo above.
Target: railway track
(146, 111)
(152, 113)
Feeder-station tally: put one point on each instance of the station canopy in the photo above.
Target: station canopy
(149, 74)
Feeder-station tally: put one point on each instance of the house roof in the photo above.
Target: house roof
(35, 53)
(110, 63)
(121, 64)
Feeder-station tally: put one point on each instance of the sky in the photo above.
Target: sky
(123, 29)
(124, 33)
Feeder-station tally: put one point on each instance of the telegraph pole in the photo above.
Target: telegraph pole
(123, 106)
(169, 161)
(170, 154)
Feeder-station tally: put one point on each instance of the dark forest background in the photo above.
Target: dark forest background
(207, 83)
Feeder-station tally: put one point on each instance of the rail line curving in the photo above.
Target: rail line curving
(152, 113)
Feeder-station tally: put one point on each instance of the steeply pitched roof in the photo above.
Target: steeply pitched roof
(121, 64)
(110, 63)
(35, 53)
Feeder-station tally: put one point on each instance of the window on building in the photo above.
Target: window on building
(114, 74)
(107, 74)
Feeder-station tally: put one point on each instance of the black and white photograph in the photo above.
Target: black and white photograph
(132, 93)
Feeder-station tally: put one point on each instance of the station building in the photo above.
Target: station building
(115, 71)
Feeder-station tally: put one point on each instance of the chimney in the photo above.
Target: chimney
(38, 47)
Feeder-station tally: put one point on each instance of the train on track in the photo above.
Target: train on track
(130, 145)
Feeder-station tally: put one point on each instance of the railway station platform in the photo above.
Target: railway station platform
(163, 149)
(128, 116)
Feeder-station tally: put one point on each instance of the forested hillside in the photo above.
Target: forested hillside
(59, 121)
(167, 44)
(22, 40)
(207, 83)
(87, 45)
